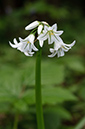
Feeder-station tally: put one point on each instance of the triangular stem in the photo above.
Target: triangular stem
(39, 110)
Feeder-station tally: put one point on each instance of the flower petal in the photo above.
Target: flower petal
(34, 48)
(31, 53)
(45, 28)
(15, 41)
(57, 45)
(27, 47)
(60, 53)
(54, 27)
(15, 45)
(57, 39)
(20, 39)
(41, 43)
(31, 38)
(52, 39)
(42, 37)
(71, 45)
(64, 48)
(52, 50)
(27, 54)
(22, 47)
(12, 45)
(53, 54)
(57, 33)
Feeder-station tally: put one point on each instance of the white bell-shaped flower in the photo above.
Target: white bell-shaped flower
(59, 48)
(50, 33)
(25, 45)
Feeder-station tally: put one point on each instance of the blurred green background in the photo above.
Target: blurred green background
(63, 79)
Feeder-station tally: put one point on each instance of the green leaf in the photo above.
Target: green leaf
(52, 73)
(59, 111)
(20, 106)
(29, 96)
(75, 63)
(53, 95)
(4, 107)
(52, 121)
(81, 89)
(50, 95)
(77, 66)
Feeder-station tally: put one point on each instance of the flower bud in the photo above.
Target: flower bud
(32, 25)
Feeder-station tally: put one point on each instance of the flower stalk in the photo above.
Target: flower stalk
(44, 32)
(16, 121)
(38, 94)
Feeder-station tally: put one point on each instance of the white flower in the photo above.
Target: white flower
(51, 34)
(25, 45)
(40, 27)
(59, 48)
(45, 23)
(32, 25)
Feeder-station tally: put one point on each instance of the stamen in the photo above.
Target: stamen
(51, 33)
(28, 42)
(64, 47)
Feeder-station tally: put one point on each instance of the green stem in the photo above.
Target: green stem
(16, 121)
(39, 110)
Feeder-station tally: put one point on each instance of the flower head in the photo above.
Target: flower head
(25, 45)
(44, 32)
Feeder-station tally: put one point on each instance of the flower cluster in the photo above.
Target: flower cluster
(45, 32)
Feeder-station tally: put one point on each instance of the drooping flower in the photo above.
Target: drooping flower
(59, 48)
(25, 45)
(50, 33)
